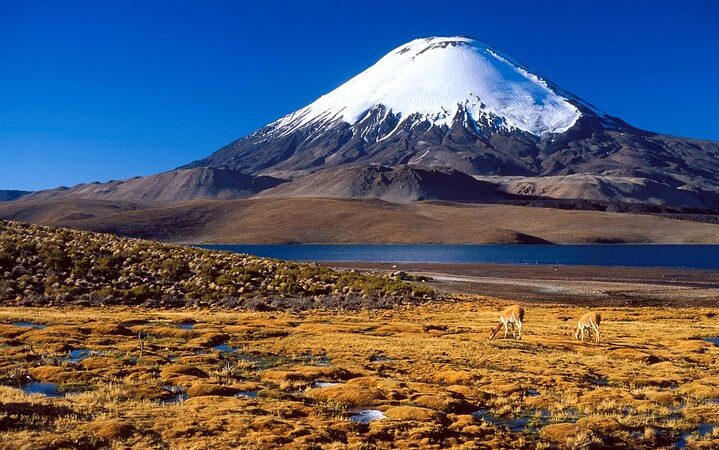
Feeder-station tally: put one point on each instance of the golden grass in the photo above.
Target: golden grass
(427, 368)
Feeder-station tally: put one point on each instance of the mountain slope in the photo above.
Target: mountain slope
(10, 195)
(611, 189)
(185, 184)
(399, 184)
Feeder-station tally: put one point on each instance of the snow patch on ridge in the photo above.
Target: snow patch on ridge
(434, 79)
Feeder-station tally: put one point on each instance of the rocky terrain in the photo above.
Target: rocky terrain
(43, 266)
(399, 184)
(618, 190)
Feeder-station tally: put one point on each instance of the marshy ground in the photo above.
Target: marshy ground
(423, 376)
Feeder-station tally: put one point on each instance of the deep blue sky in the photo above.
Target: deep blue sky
(99, 90)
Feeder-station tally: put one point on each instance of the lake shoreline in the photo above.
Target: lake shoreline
(700, 257)
(583, 285)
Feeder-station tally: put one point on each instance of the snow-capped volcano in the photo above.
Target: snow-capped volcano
(457, 103)
(439, 101)
(444, 118)
(433, 79)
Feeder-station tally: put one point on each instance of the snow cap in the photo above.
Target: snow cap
(435, 78)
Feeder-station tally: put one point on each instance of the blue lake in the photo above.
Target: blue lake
(678, 256)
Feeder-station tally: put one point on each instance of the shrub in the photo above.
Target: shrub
(175, 267)
(54, 257)
(6, 260)
(99, 266)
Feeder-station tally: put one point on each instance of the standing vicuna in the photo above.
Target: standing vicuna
(514, 315)
(588, 322)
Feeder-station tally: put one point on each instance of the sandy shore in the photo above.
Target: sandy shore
(566, 284)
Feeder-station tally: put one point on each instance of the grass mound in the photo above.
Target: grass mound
(42, 265)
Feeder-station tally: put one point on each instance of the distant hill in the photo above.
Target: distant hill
(183, 184)
(10, 195)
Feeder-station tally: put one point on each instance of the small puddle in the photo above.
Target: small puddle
(225, 348)
(177, 395)
(599, 381)
(365, 416)
(530, 422)
(261, 361)
(76, 355)
(186, 325)
(248, 394)
(39, 387)
(24, 324)
(704, 429)
(682, 442)
(324, 384)
(514, 424)
(313, 360)
(713, 340)
(381, 359)
(52, 389)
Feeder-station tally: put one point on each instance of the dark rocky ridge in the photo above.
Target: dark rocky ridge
(398, 184)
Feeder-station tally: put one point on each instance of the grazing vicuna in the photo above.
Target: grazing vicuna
(514, 315)
(588, 322)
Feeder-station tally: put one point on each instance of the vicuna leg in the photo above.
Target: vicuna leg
(506, 329)
(596, 332)
(519, 325)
